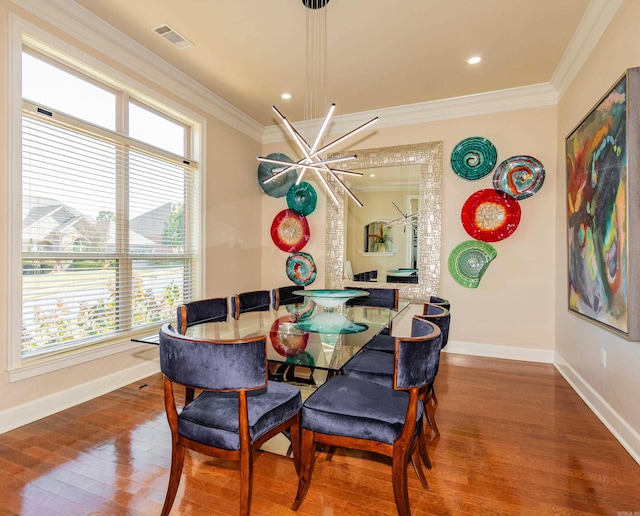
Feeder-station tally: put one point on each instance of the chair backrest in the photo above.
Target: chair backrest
(417, 357)
(435, 300)
(254, 301)
(384, 297)
(203, 311)
(215, 365)
(440, 316)
(285, 296)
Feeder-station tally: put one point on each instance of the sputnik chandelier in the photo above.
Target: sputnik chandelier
(312, 159)
(314, 156)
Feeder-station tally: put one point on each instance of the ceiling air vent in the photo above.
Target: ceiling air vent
(173, 36)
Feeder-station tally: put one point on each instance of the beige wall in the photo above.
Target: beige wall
(579, 342)
(232, 247)
(514, 305)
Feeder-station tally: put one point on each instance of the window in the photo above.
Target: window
(109, 210)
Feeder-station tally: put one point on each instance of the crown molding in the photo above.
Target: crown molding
(594, 23)
(523, 97)
(99, 35)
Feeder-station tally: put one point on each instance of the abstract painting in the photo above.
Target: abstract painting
(602, 224)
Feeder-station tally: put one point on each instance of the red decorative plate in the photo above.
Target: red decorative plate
(490, 215)
(290, 231)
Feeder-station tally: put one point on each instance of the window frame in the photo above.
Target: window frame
(24, 36)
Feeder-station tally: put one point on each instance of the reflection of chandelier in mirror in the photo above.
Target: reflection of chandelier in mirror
(406, 219)
(314, 156)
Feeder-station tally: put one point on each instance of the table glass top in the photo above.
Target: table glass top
(292, 343)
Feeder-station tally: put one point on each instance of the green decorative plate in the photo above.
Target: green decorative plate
(302, 198)
(469, 260)
(473, 158)
(278, 187)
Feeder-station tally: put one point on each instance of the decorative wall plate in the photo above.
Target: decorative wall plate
(469, 260)
(473, 158)
(280, 186)
(290, 231)
(519, 176)
(302, 198)
(301, 269)
(490, 215)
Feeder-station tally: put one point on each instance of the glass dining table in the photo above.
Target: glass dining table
(298, 335)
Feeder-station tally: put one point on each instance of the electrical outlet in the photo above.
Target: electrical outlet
(603, 358)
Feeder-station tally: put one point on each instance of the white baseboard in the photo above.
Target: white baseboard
(622, 431)
(545, 356)
(17, 416)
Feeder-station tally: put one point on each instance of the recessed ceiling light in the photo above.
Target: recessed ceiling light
(474, 60)
(286, 96)
(372, 175)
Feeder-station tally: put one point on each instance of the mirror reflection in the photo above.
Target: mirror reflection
(381, 237)
(347, 239)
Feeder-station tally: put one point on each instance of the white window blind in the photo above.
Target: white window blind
(109, 233)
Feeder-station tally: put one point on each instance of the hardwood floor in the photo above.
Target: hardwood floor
(515, 439)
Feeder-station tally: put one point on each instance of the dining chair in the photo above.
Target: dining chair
(237, 411)
(434, 313)
(285, 296)
(382, 297)
(202, 311)
(349, 412)
(378, 367)
(255, 301)
(435, 300)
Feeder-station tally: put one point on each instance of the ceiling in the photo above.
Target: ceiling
(380, 54)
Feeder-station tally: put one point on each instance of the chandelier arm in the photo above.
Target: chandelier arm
(323, 128)
(327, 188)
(346, 188)
(348, 135)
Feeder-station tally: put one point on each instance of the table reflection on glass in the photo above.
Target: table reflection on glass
(289, 342)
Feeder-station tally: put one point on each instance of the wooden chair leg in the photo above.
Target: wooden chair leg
(400, 488)
(295, 444)
(307, 458)
(330, 452)
(430, 410)
(177, 462)
(246, 480)
(422, 448)
(415, 462)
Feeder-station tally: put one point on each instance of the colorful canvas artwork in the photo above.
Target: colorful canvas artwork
(601, 170)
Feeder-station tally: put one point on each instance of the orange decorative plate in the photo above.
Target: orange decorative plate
(290, 231)
(490, 215)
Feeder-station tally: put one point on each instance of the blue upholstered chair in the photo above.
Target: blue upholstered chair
(435, 300)
(236, 412)
(199, 312)
(352, 413)
(255, 301)
(203, 311)
(434, 313)
(378, 366)
(285, 296)
(383, 297)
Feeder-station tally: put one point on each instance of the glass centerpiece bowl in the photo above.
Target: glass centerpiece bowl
(330, 320)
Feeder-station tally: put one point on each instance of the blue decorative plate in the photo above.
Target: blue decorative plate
(473, 158)
(519, 176)
(301, 269)
(302, 198)
(278, 187)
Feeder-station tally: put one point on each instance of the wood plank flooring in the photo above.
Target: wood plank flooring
(515, 440)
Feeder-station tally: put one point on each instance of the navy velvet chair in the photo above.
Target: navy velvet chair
(384, 297)
(236, 412)
(434, 313)
(378, 366)
(255, 301)
(285, 296)
(352, 413)
(435, 300)
(202, 311)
